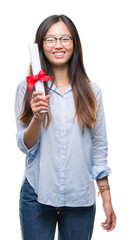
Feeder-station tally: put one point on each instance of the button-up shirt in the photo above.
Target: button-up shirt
(63, 164)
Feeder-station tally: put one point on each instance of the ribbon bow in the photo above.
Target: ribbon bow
(41, 76)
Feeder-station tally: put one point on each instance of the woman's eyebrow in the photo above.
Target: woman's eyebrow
(51, 35)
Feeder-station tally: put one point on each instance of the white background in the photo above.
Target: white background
(104, 28)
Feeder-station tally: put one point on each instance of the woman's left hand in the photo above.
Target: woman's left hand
(110, 222)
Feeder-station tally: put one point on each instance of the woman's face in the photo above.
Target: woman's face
(58, 55)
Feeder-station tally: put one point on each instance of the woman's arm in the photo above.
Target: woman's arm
(110, 221)
(38, 103)
(32, 133)
(100, 169)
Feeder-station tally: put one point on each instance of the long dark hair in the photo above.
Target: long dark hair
(85, 101)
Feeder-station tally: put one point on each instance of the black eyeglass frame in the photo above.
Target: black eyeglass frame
(44, 39)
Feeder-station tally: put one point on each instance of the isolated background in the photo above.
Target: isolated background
(105, 31)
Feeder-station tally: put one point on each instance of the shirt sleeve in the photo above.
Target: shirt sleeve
(21, 128)
(100, 168)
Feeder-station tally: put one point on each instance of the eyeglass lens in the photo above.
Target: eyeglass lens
(65, 41)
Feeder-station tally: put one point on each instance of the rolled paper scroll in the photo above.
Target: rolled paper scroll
(38, 74)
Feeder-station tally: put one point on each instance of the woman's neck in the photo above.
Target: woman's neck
(61, 76)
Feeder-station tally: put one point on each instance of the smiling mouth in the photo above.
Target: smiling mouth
(59, 53)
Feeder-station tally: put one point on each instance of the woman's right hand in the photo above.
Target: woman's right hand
(38, 103)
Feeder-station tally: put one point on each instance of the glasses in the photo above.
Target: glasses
(51, 41)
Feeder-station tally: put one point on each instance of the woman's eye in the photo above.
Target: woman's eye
(50, 39)
(65, 39)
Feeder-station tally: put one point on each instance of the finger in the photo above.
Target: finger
(38, 98)
(110, 229)
(104, 222)
(35, 93)
(107, 224)
(107, 228)
(38, 109)
(113, 223)
(47, 97)
(39, 104)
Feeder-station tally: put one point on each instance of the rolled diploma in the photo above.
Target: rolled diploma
(36, 67)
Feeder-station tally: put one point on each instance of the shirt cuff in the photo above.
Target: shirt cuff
(100, 171)
(31, 153)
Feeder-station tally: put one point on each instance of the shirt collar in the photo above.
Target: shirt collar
(54, 88)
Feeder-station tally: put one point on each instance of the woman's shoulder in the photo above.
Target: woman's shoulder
(95, 87)
(22, 86)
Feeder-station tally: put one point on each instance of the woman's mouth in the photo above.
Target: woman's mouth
(59, 54)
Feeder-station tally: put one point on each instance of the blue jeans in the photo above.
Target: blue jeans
(38, 221)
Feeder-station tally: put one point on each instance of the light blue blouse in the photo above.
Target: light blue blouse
(62, 165)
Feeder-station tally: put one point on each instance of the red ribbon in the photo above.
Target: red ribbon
(41, 76)
(100, 191)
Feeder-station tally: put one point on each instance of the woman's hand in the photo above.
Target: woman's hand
(110, 222)
(38, 103)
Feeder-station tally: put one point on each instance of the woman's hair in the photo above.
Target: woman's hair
(84, 99)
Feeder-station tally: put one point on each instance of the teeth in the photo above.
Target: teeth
(61, 53)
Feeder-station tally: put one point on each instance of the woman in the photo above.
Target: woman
(66, 147)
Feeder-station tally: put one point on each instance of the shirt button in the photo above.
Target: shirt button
(58, 212)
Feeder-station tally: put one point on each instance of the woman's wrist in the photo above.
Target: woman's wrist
(36, 119)
(104, 189)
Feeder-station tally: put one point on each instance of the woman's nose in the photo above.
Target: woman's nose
(58, 43)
